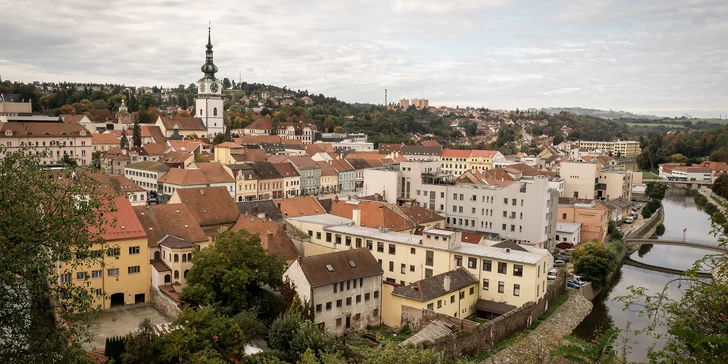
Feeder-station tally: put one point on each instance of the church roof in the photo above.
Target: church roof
(183, 123)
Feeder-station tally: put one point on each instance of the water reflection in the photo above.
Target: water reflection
(680, 213)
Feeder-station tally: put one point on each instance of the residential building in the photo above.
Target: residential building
(114, 160)
(373, 214)
(183, 126)
(613, 184)
(383, 181)
(270, 181)
(225, 152)
(299, 206)
(453, 293)
(423, 217)
(347, 175)
(14, 104)
(419, 153)
(626, 149)
(135, 194)
(261, 126)
(104, 142)
(580, 179)
(297, 131)
(593, 216)
(291, 179)
(212, 207)
(344, 287)
(273, 236)
(404, 103)
(482, 160)
(310, 173)
(205, 175)
(455, 161)
(686, 173)
(246, 182)
(568, 232)
(329, 178)
(57, 139)
(120, 274)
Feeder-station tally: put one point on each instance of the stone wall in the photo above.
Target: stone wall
(418, 318)
(164, 303)
(648, 226)
(487, 335)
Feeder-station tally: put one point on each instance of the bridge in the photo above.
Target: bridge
(693, 184)
(633, 263)
(692, 243)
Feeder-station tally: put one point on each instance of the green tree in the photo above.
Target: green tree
(137, 135)
(67, 109)
(146, 101)
(198, 331)
(250, 324)
(231, 272)
(471, 127)
(124, 142)
(96, 159)
(656, 190)
(594, 262)
(281, 333)
(44, 222)
(338, 129)
(660, 230)
(310, 336)
(329, 124)
(207, 356)
(139, 346)
(558, 138)
(678, 158)
(720, 155)
(399, 355)
(601, 351)
(720, 186)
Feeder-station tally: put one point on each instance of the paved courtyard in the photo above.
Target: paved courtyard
(119, 322)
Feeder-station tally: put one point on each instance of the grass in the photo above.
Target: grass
(649, 175)
(366, 347)
(522, 334)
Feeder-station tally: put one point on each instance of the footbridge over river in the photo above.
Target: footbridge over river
(707, 245)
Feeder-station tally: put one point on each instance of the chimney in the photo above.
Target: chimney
(268, 239)
(446, 283)
(356, 217)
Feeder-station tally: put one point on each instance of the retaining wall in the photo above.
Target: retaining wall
(487, 335)
(164, 303)
(418, 318)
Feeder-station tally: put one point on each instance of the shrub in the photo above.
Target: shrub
(281, 333)
(660, 230)
(251, 326)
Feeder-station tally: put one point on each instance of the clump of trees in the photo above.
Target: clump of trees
(720, 186)
(594, 262)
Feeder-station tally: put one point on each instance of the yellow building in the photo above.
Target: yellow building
(329, 178)
(121, 274)
(509, 276)
(482, 160)
(453, 293)
(224, 152)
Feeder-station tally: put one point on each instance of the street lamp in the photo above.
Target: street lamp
(684, 230)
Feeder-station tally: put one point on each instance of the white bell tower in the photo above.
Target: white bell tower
(209, 105)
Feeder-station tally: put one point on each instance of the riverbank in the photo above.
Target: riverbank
(536, 346)
(720, 202)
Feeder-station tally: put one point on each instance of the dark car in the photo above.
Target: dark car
(565, 245)
(565, 258)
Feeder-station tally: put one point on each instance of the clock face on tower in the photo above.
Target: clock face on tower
(214, 88)
(202, 87)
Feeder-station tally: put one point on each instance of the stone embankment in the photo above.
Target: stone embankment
(712, 197)
(536, 346)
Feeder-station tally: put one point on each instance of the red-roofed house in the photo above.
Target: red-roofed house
(205, 175)
(454, 161)
(273, 236)
(483, 159)
(374, 214)
(104, 142)
(261, 126)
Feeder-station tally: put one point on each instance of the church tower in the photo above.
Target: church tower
(209, 105)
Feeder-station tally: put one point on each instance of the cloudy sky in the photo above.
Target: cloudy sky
(666, 57)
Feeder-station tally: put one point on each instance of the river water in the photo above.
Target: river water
(680, 213)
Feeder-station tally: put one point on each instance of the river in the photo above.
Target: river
(681, 213)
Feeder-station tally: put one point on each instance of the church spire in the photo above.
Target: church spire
(209, 67)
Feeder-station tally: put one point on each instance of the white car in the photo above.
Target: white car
(553, 274)
(579, 280)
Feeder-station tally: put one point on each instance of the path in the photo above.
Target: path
(707, 192)
(536, 346)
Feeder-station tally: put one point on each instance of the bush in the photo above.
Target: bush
(660, 230)
(310, 336)
(281, 333)
(710, 208)
(594, 262)
(251, 326)
(114, 348)
(266, 357)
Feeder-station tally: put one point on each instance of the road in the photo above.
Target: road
(526, 136)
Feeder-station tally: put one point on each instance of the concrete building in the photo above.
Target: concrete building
(344, 287)
(13, 104)
(452, 293)
(568, 232)
(613, 184)
(225, 153)
(347, 175)
(404, 103)
(146, 174)
(329, 178)
(382, 181)
(419, 153)
(57, 139)
(455, 161)
(482, 160)
(580, 179)
(205, 175)
(593, 216)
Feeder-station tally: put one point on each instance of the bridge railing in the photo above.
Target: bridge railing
(690, 240)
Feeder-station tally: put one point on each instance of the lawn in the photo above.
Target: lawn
(649, 175)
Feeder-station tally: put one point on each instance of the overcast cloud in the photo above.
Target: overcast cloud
(665, 57)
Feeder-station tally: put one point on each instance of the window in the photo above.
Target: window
(412, 268)
(375, 313)
(459, 260)
(96, 273)
(513, 202)
(462, 294)
(454, 208)
(341, 286)
(358, 242)
(563, 216)
(403, 269)
(358, 298)
(113, 272)
(516, 289)
(502, 268)
(318, 235)
(439, 303)
(98, 292)
(518, 270)
(369, 245)
(113, 252)
(65, 277)
(392, 249)
(472, 263)
(366, 297)
(487, 265)
(452, 299)
(335, 287)
(81, 275)
(486, 284)
(310, 233)
(472, 290)
(505, 226)
(328, 306)
(319, 308)
(391, 266)
(347, 241)
(338, 239)
(184, 258)
(412, 251)
(348, 301)
(430, 306)
(460, 209)
(505, 201)
(134, 269)
(338, 322)
(338, 303)
(376, 294)
(501, 287)
(133, 250)
(328, 237)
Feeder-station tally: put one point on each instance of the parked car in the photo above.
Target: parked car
(579, 280)
(553, 274)
(572, 284)
(629, 220)
(565, 245)
(559, 263)
(634, 215)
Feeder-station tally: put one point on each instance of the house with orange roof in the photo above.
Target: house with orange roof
(104, 142)
(299, 206)
(483, 159)
(120, 275)
(190, 146)
(185, 126)
(374, 214)
(212, 207)
(198, 175)
(291, 179)
(717, 168)
(347, 174)
(261, 126)
(455, 161)
(273, 236)
(310, 173)
(224, 152)
(135, 194)
(329, 178)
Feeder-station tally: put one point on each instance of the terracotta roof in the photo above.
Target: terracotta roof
(176, 157)
(431, 143)
(206, 173)
(267, 139)
(421, 215)
(209, 205)
(434, 287)
(374, 214)
(341, 165)
(173, 242)
(262, 123)
(160, 265)
(299, 206)
(421, 150)
(312, 149)
(286, 170)
(275, 159)
(358, 163)
(327, 169)
(265, 170)
(281, 245)
(68, 118)
(155, 132)
(176, 219)
(155, 149)
(266, 207)
(693, 169)
(122, 223)
(390, 147)
(230, 145)
(186, 145)
(715, 166)
(303, 161)
(483, 153)
(183, 123)
(469, 237)
(123, 184)
(98, 139)
(317, 274)
(456, 153)
(39, 130)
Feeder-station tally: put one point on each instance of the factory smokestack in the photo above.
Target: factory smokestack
(385, 97)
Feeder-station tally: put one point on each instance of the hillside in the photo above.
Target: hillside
(606, 114)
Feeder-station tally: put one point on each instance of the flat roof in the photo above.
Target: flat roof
(377, 234)
(438, 232)
(323, 219)
(499, 253)
(568, 227)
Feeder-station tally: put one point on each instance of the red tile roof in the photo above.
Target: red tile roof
(374, 214)
(286, 170)
(106, 139)
(175, 219)
(456, 153)
(317, 273)
(39, 130)
(327, 169)
(183, 123)
(262, 123)
(122, 223)
(281, 245)
(209, 205)
(299, 206)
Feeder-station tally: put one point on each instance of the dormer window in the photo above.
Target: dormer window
(8, 132)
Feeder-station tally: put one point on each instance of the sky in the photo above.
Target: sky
(666, 57)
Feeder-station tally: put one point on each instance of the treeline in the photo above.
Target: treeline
(684, 147)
